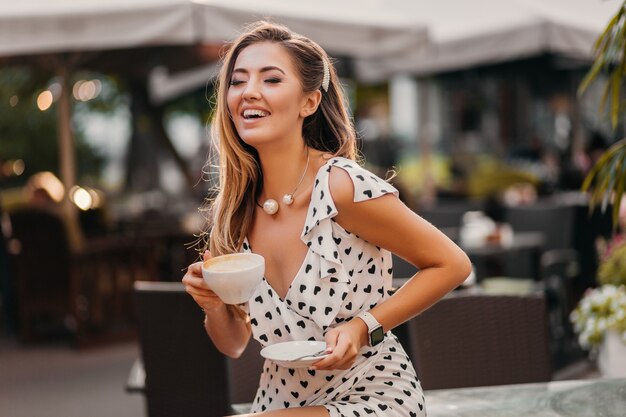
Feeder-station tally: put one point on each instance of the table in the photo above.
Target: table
(520, 259)
(577, 398)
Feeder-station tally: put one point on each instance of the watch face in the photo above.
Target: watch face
(377, 336)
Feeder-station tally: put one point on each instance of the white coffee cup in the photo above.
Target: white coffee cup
(234, 277)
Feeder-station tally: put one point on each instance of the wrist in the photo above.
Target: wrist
(364, 336)
(375, 331)
(213, 309)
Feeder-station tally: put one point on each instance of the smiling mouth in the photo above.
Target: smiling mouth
(254, 114)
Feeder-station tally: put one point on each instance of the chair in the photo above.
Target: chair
(42, 273)
(560, 268)
(185, 375)
(469, 339)
(555, 220)
(448, 215)
(243, 376)
(63, 289)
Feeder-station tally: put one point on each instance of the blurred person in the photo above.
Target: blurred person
(282, 127)
(45, 192)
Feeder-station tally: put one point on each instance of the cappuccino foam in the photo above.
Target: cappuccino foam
(228, 265)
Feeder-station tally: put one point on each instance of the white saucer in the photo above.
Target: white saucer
(283, 353)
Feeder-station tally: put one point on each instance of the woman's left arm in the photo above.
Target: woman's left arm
(388, 223)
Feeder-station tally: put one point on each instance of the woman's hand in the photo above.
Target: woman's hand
(343, 343)
(197, 288)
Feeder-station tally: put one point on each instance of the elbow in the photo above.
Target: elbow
(464, 267)
(232, 349)
(233, 354)
(461, 268)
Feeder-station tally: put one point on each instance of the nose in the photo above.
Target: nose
(251, 91)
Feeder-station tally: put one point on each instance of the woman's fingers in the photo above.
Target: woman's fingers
(343, 351)
(195, 268)
(203, 296)
(197, 288)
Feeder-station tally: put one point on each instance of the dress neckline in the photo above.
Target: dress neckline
(302, 232)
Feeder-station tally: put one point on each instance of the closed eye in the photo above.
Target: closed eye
(235, 82)
(273, 80)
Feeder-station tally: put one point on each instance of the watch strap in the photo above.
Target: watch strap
(374, 328)
(369, 320)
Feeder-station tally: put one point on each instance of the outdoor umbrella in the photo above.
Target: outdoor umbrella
(464, 34)
(367, 31)
(61, 35)
(64, 34)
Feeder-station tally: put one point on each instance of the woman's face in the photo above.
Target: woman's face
(265, 97)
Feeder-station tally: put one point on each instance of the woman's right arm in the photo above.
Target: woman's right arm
(227, 325)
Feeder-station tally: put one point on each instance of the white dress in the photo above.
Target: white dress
(341, 275)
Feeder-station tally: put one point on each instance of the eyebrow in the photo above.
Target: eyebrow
(264, 69)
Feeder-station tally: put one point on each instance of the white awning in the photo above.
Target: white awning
(47, 26)
(464, 34)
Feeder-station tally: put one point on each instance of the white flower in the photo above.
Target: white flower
(599, 310)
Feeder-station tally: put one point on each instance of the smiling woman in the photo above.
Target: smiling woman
(283, 130)
(266, 101)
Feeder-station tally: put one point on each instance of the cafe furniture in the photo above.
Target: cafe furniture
(574, 398)
(180, 372)
(184, 373)
(469, 338)
(466, 339)
(79, 288)
(519, 258)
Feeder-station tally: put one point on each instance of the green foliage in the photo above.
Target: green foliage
(607, 179)
(612, 270)
(30, 134)
(491, 179)
(610, 58)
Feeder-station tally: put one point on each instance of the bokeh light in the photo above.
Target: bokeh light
(18, 167)
(85, 90)
(82, 198)
(10, 168)
(44, 100)
(55, 89)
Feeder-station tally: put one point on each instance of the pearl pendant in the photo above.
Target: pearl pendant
(288, 199)
(270, 206)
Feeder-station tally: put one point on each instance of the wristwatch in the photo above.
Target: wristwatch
(374, 328)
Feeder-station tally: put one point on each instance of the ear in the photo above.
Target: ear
(311, 103)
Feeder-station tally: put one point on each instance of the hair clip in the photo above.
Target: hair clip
(326, 77)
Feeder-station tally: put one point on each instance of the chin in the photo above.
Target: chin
(254, 140)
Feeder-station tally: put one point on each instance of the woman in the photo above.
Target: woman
(292, 192)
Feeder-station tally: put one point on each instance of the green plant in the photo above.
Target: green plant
(612, 270)
(607, 179)
(610, 58)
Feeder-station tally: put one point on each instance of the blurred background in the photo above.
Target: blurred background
(105, 152)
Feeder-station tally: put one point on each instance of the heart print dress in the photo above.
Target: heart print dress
(341, 276)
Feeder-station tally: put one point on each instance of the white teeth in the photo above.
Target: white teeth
(254, 112)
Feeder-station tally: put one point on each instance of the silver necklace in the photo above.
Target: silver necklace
(270, 206)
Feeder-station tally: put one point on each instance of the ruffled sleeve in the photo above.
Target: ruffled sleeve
(318, 233)
(335, 266)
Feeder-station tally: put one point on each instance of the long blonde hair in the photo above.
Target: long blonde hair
(329, 130)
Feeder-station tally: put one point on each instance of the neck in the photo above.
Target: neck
(282, 169)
